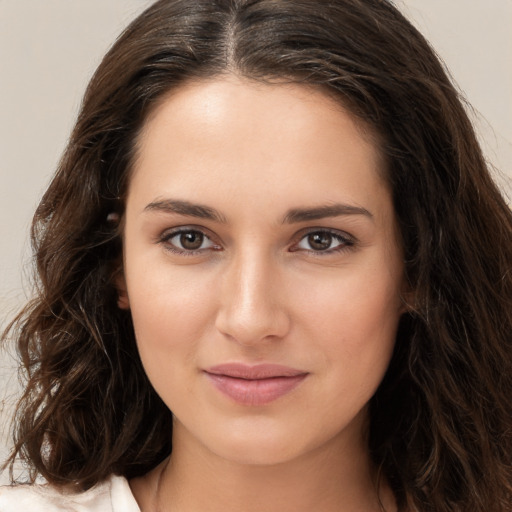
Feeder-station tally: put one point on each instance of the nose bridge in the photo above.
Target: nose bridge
(251, 303)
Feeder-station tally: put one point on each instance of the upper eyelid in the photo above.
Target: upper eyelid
(336, 232)
(301, 232)
(171, 232)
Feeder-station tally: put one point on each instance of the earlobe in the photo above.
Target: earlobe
(407, 301)
(407, 298)
(123, 302)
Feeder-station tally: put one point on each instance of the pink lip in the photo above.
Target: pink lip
(254, 385)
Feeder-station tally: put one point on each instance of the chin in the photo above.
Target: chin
(260, 445)
(259, 453)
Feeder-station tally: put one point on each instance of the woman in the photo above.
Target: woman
(274, 220)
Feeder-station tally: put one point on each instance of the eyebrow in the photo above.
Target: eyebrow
(321, 212)
(186, 208)
(293, 216)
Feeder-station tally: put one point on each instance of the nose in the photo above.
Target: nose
(252, 301)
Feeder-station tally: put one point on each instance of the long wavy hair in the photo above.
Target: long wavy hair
(441, 421)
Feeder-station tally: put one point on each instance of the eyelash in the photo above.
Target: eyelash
(167, 236)
(346, 241)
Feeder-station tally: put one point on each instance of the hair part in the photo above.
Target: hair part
(440, 421)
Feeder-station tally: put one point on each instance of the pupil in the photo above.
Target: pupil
(320, 241)
(191, 240)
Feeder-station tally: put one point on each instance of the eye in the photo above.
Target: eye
(187, 241)
(324, 241)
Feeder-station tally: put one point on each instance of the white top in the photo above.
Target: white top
(112, 495)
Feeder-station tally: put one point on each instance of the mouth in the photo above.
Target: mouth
(254, 385)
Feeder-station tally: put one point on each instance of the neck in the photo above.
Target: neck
(334, 478)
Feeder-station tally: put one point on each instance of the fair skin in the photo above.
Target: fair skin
(259, 230)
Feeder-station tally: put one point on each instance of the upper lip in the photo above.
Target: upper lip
(253, 372)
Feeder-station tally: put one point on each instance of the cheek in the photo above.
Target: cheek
(171, 312)
(353, 322)
(354, 303)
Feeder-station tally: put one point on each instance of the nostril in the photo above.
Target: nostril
(250, 327)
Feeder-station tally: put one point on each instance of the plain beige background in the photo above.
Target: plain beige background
(50, 48)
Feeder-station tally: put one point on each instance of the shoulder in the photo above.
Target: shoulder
(112, 495)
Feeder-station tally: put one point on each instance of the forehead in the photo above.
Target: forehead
(242, 138)
(213, 101)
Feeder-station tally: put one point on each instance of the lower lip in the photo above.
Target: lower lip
(255, 391)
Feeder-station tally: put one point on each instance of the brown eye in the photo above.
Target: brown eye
(191, 240)
(187, 241)
(324, 242)
(320, 241)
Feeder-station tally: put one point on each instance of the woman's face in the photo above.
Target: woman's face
(262, 269)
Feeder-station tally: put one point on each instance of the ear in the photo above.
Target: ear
(123, 302)
(407, 299)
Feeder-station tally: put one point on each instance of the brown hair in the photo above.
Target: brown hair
(441, 420)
